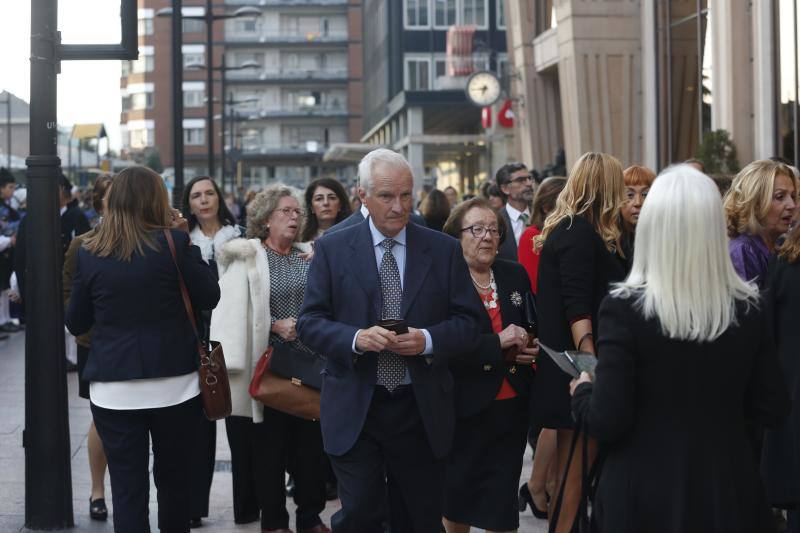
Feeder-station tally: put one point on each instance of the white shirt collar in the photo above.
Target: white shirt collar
(364, 211)
(378, 237)
(62, 210)
(514, 213)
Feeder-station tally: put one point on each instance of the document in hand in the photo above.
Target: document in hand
(572, 362)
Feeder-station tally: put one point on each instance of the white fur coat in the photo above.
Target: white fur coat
(241, 320)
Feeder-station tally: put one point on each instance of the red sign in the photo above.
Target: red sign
(505, 117)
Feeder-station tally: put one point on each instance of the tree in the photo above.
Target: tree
(152, 159)
(718, 153)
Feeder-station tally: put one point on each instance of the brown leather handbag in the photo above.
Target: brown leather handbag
(215, 389)
(288, 395)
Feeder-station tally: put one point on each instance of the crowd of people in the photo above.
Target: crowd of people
(430, 316)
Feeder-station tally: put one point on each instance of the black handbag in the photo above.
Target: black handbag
(301, 367)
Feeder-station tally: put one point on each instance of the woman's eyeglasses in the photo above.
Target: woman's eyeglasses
(479, 231)
(288, 211)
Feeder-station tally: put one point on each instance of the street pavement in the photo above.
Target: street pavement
(12, 461)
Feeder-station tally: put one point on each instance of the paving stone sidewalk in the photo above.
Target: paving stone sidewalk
(12, 461)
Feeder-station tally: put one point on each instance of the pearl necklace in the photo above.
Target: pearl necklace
(492, 285)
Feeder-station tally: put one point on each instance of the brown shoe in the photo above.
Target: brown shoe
(319, 528)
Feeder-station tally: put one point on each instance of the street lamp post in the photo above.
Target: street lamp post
(209, 17)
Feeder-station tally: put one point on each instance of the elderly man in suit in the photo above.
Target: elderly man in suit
(387, 397)
(516, 185)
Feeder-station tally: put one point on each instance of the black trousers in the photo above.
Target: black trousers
(126, 441)
(391, 460)
(261, 454)
(204, 455)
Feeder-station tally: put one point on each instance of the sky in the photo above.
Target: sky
(88, 91)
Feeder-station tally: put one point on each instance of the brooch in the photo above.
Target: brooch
(516, 299)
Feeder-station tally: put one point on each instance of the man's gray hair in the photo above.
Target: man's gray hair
(264, 204)
(380, 156)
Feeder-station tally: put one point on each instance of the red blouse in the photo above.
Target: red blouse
(527, 257)
(506, 391)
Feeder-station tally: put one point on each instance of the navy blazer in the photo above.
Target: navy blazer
(141, 329)
(508, 250)
(479, 373)
(357, 218)
(343, 295)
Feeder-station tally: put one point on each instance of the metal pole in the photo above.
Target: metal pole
(222, 71)
(210, 83)
(668, 27)
(8, 128)
(177, 100)
(699, 36)
(48, 477)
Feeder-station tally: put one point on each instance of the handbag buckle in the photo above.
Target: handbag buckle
(297, 382)
(211, 380)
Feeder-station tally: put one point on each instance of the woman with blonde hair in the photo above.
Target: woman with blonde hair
(143, 359)
(686, 358)
(759, 207)
(579, 246)
(263, 282)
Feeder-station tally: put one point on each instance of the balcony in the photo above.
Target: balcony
(319, 111)
(300, 148)
(286, 3)
(285, 75)
(287, 37)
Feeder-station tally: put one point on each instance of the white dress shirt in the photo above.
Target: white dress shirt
(517, 222)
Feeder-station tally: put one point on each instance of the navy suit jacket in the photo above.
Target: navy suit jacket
(357, 218)
(140, 327)
(343, 295)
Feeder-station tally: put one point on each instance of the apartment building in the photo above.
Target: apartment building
(300, 89)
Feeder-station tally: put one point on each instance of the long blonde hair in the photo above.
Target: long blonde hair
(137, 206)
(749, 198)
(595, 189)
(682, 273)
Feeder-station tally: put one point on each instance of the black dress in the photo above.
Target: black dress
(671, 416)
(780, 460)
(575, 270)
(483, 468)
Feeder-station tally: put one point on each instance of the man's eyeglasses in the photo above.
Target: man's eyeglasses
(288, 211)
(479, 231)
(522, 179)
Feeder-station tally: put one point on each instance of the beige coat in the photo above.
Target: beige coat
(241, 320)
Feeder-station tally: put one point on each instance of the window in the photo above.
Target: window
(474, 13)
(786, 46)
(444, 13)
(126, 103)
(501, 14)
(141, 138)
(193, 59)
(244, 26)
(440, 68)
(417, 14)
(145, 27)
(143, 64)
(142, 100)
(193, 98)
(194, 136)
(193, 26)
(418, 74)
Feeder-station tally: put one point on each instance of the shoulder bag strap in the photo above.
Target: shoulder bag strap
(187, 302)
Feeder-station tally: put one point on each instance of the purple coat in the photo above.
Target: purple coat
(750, 257)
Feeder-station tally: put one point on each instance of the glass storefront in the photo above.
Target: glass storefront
(786, 66)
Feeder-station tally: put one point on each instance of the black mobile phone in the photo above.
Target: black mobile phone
(398, 325)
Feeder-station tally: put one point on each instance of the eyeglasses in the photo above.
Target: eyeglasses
(522, 179)
(479, 231)
(288, 211)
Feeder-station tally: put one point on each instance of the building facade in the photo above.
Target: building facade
(415, 100)
(646, 80)
(293, 73)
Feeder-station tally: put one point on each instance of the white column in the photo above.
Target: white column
(649, 86)
(416, 151)
(764, 77)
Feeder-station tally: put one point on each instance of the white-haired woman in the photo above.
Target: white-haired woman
(263, 281)
(686, 356)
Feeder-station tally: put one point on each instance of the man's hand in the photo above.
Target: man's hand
(527, 355)
(374, 339)
(408, 344)
(285, 328)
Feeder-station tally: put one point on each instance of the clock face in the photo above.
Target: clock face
(483, 89)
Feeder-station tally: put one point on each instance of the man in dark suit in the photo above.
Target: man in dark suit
(387, 399)
(516, 186)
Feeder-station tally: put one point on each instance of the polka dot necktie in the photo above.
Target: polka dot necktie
(391, 367)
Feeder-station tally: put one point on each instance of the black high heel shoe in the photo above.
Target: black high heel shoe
(525, 499)
(98, 509)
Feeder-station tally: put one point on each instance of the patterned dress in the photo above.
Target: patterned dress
(288, 275)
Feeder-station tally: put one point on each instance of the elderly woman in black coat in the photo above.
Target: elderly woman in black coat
(491, 383)
(686, 357)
